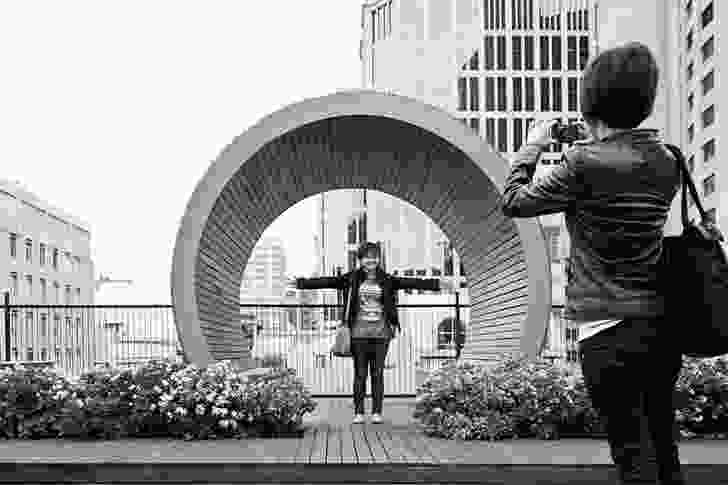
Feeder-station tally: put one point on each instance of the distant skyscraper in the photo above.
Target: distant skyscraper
(265, 274)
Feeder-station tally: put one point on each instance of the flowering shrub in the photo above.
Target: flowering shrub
(158, 399)
(533, 398)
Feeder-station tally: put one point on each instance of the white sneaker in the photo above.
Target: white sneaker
(376, 418)
(358, 418)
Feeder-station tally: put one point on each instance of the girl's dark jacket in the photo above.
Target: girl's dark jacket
(616, 194)
(349, 283)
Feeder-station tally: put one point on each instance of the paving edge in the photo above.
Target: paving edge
(249, 473)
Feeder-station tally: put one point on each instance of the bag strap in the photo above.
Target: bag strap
(687, 184)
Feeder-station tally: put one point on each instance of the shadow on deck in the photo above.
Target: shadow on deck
(335, 451)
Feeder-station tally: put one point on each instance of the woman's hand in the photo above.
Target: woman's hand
(540, 133)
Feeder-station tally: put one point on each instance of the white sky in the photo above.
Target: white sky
(113, 111)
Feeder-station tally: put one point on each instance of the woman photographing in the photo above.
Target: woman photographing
(371, 315)
(615, 189)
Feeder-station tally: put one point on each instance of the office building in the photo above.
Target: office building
(46, 257)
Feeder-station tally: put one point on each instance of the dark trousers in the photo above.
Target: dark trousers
(369, 356)
(630, 371)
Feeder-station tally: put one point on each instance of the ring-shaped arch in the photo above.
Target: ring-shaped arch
(359, 139)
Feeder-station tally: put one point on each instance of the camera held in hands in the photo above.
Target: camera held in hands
(568, 133)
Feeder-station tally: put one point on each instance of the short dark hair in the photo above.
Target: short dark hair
(368, 247)
(619, 86)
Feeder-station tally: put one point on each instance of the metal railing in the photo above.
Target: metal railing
(75, 338)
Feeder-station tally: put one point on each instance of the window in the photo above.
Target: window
(530, 94)
(691, 133)
(529, 51)
(690, 70)
(475, 62)
(517, 94)
(502, 135)
(572, 94)
(77, 261)
(544, 49)
(475, 125)
(556, 53)
(43, 290)
(489, 53)
(28, 250)
(55, 258)
(363, 227)
(501, 52)
(28, 285)
(78, 296)
(571, 53)
(43, 324)
(57, 292)
(708, 48)
(489, 94)
(474, 94)
(502, 94)
(42, 254)
(708, 82)
(463, 94)
(711, 215)
(14, 283)
(708, 185)
(68, 294)
(545, 98)
(691, 102)
(517, 134)
(490, 131)
(13, 245)
(708, 150)
(707, 16)
(517, 53)
(557, 93)
(351, 232)
(689, 40)
(583, 51)
(708, 116)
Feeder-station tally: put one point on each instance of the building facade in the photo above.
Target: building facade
(46, 257)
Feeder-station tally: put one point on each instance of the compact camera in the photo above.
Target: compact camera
(568, 133)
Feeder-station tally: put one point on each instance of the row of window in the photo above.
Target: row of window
(46, 255)
(523, 53)
(496, 133)
(707, 84)
(523, 17)
(382, 22)
(30, 356)
(707, 117)
(523, 94)
(706, 16)
(43, 283)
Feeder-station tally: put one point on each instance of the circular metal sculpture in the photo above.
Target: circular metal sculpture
(359, 139)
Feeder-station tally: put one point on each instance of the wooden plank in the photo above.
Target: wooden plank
(348, 452)
(363, 453)
(378, 453)
(400, 447)
(385, 440)
(287, 451)
(333, 452)
(413, 454)
(303, 454)
(417, 441)
(318, 450)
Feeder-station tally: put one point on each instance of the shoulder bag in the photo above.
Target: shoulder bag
(342, 342)
(694, 279)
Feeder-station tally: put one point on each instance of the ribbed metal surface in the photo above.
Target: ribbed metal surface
(380, 154)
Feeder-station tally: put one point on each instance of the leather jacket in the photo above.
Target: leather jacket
(349, 283)
(616, 194)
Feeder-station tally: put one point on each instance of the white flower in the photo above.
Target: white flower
(79, 403)
(200, 409)
(152, 407)
(181, 411)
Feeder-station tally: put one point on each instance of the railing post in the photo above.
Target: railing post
(7, 326)
(457, 324)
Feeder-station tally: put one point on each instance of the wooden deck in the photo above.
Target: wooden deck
(335, 451)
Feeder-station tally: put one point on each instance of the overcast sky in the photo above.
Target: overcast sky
(113, 111)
